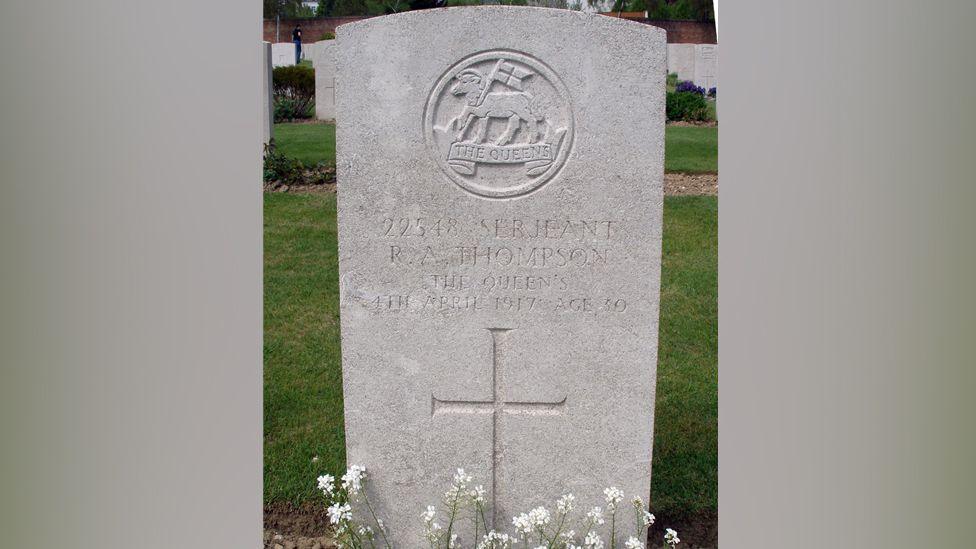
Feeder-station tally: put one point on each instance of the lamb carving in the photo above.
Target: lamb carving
(481, 107)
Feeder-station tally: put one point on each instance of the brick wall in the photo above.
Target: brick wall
(679, 32)
(686, 32)
(312, 29)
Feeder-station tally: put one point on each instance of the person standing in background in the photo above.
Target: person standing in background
(296, 38)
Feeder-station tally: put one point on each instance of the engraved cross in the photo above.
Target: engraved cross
(496, 406)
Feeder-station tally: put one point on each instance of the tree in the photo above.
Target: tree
(698, 10)
(284, 9)
(326, 8)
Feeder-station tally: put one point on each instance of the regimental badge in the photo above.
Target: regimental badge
(499, 123)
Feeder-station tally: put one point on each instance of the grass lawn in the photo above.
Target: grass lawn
(686, 149)
(310, 143)
(303, 385)
(691, 149)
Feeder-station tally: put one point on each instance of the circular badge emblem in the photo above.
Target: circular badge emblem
(499, 123)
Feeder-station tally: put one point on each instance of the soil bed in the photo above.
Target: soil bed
(306, 526)
(699, 124)
(675, 184)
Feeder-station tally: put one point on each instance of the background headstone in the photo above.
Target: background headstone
(283, 54)
(706, 60)
(681, 60)
(310, 50)
(324, 63)
(267, 94)
(499, 291)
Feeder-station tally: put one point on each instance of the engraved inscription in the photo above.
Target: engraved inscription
(512, 265)
(499, 124)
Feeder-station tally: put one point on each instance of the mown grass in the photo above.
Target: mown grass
(303, 381)
(691, 149)
(311, 143)
(686, 149)
(302, 375)
(685, 469)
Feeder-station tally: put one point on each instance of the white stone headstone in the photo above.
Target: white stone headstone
(500, 177)
(681, 60)
(283, 54)
(310, 50)
(706, 61)
(267, 94)
(324, 64)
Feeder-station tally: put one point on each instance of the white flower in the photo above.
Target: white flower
(592, 541)
(539, 517)
(671, 537)
(366, 532)
(569, 535)
(428, 515)
(478, 494)
(327, 484)
(613, 496)
(339, 513)
(522, 524)
(432, 531)
(461, 479)
(352, 481)
(633, 543)
(565, 504)
(453, 542)
(648, 518)
(595, 516)
(494, 540)
(315, 459)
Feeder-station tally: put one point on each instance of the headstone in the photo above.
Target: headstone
(267, 94)
(500, 176)
(324, 63)
(283, 54)
(681, 60)
(309, 51)
(706, 60)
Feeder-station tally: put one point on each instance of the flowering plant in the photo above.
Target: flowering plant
(349, 531)
(537, 529)
(690, 87)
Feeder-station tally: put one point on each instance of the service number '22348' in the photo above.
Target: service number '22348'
(420, 226)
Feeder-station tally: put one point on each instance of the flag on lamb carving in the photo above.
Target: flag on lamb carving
(511, 75)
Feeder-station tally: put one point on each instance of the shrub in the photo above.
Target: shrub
(672, 81)
(686, 106)
(286, 109)
(327, 36)
(294, 92)
(282, 170)
(277, 166)
(690, 87)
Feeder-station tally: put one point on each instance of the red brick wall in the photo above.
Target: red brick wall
(312, 29)
(679, 32)
(686, 32)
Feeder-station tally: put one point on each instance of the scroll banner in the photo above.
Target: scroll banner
(537, 157)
